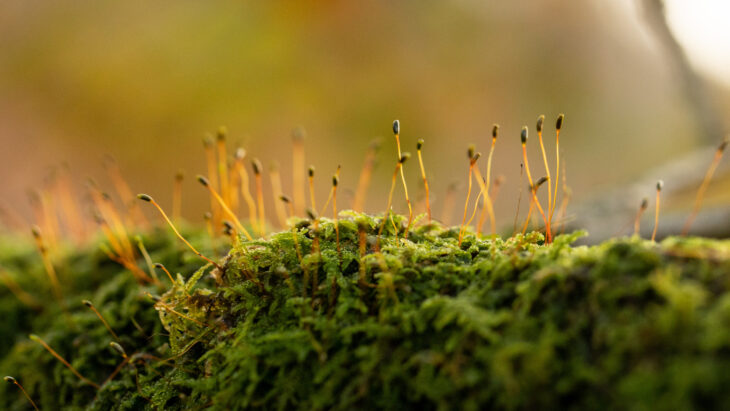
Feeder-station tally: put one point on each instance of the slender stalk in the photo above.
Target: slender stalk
(245, 191)
(659, 186)
(637, 219)
(425, 180)
(225, 207)
(540, 122)
(276, 191)
(151, 200)
(17, 384)
(101, 317)
(366, 173)
(703, 187)
(63, 361)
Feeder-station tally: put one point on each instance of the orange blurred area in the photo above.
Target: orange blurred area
(145, 82)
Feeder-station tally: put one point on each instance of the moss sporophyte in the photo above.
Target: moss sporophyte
(342, 309)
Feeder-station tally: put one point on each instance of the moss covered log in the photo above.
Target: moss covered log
(303, 321)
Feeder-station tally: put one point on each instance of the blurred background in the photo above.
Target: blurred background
(146, 81)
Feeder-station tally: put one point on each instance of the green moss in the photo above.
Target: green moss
(507, 323)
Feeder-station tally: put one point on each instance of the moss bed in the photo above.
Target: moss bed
(425, 323)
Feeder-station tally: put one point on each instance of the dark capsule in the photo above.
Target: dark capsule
(396, 127)
(118, 348)
(495, 130)
(221, 134)
(523, 135)
(256, 166)
(559, 122)
(540, 121)
(419, 144)
(298, 134)
(362, 225)
(375, 144)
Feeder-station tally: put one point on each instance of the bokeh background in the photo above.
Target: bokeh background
(145, 81)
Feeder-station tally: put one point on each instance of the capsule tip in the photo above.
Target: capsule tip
(724, 144)
(375, 144)
(118, 348)
(202, 180)
(298, 133)
(523, 135)
(495, 130)
(419, 144)
(540, 121)
(144, 197)
(559, 122)
(396, 127)
(221, 134)
(256, 166)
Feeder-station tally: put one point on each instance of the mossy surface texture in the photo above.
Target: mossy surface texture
(423, 323)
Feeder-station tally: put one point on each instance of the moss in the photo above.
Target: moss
(510, 323)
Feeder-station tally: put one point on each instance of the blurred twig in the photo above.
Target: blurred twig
(693, 87)
(602, 215)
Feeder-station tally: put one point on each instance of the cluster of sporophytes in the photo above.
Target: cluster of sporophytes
(358, 311)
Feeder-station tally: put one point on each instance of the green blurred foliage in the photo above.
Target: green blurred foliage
(433, 323)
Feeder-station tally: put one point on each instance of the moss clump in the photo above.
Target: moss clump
(431, 325)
